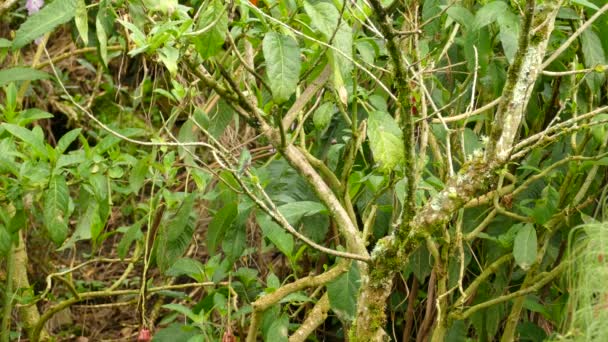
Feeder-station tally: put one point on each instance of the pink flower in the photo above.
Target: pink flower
(33, 6)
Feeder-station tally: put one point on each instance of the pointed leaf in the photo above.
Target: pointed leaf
(219, 225)
(66, 140)
(27, 136)
(82, 21)
(175, 234)
(21, 74)
(282, 56)
(524, 246)
(48, 18)
(385, 140)
(214, 24)
(343, 292)
(56, 200)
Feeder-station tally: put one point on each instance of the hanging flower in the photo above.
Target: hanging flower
(33, 6)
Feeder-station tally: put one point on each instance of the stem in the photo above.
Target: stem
(8, 297)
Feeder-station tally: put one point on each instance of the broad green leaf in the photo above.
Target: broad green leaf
(324, 16)
(489, 13)
(235, 242)
(5, 241)
(585, 3)
(136, 35)
(102, 36)
(131, 234)
(187, 266)
(184, 310)
(162, 6)
(461, 15)
(509, 33)
(48, 18)
(593, 55)
(176, 332)
(175, 234)
(546, 206)
(524, 246)
(343, 42)
(322, 115)
(66, 140)
(89, 223)
(219, 225)
(294, 211)
(420, 263)
(21, 74)
(278, 330)
(82, 21)
(385, 140)
(282, 56)
(5, 43)
(343, 292)
(28, 116)
(214, 24)
(277, 235)
(26, 136)
(169, 56)
(56, 200)
(139, 174)
(599, 131)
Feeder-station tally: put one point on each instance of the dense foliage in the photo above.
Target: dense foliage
(210, 170)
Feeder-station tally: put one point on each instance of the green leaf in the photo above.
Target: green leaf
(294, 211)
(461, 15)
(593, 55)
(187, 266)
(489, 13)
(176, 332)
(48, 18)
(56, 200)
(21, 74)
(81, 20)
(585, 3)
(322, 115)
(162, 6)
(66, 140)
(30, 115)
(420, 263)
(324, 16)
(282, 56)
(343, 292)
(5, 43)
(219, 225)
(509, 33)
(524, 246)
(89, 224)
(214, 24)
(26, 136)
(169, 56)
(278, 330)
(5, 241)
(102, 36)
(385, 140)
(277, 235)
(185, 311)
(175, 234)
(131, 234)
(546, 206)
